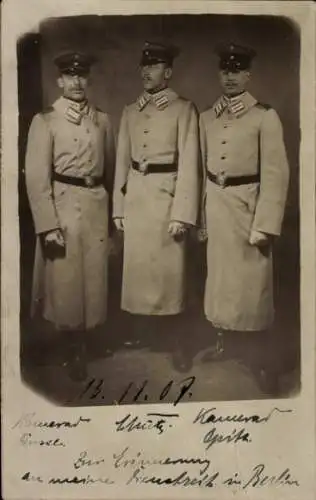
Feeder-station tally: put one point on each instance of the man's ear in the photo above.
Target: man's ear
(60, 82)
(168, 73)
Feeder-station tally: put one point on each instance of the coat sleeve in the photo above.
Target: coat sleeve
(109, 165)
(274, 173)
(123, 160)
(186, 198)
(38, 166)
(203, 148)
(109, 155)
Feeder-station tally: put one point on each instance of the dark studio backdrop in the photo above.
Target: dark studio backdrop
(117, 42)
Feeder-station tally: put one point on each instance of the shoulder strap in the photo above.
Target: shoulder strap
(47, 110)
(262, 105)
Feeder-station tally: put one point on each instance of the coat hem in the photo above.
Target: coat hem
(219, 326)
(151, 313)
(68, 328)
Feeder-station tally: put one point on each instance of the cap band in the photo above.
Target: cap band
(236, 64)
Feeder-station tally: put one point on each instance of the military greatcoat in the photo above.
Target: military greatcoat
(158, 130)
(72, 290)
(236, 141)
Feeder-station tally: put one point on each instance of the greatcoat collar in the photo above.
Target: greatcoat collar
(160, 99)
(74, 111)
(236, 106)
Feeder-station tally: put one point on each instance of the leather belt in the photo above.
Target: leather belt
(88, 181)
(155, 168)
(221, 179)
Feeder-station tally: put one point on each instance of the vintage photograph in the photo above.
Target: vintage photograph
(159, 208)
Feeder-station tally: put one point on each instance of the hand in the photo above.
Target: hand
(258, 238)
(54, 237)
(119, 223)
(54, 245)
(176, 228)
(201, 234)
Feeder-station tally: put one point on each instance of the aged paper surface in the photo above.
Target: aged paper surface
(185, 444)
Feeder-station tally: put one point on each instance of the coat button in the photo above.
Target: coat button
(223, 158)
(223, 142)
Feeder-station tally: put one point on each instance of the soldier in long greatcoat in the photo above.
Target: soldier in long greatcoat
(69, 165)
(156, 189)
(246, 178)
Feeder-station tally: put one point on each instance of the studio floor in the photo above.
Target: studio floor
(132, 368)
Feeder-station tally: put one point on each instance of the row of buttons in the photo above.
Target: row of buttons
(146, 130)
(76, 138)
(224, 141)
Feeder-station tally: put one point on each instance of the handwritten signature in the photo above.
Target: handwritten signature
(27, 439)
(234, 436)
(156, 421)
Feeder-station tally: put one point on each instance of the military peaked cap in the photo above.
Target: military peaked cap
(235, 57)
(155, 52)
(74, 63)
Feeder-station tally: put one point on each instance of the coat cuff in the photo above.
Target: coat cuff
(268, 219)
(45, 218)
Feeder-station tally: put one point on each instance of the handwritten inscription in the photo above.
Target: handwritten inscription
(180, 471)
(71, 480)
(206, 416)
(29, 420)
(133, 393)
(213, 437)
(258, 478)
(134, 467)
(234, 436)
(153, 421)
(123, 460)
(140, 476)
(84, 461)
(27, 440)
(141, 393)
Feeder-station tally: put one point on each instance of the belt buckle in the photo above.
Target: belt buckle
(221, 178)
(143, 168)
(89, 181)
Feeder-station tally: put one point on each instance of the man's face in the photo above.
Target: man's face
(155, 76)
(73, 86)
(233, 82)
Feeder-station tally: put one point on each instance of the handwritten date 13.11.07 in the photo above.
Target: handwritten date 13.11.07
(173, 391)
